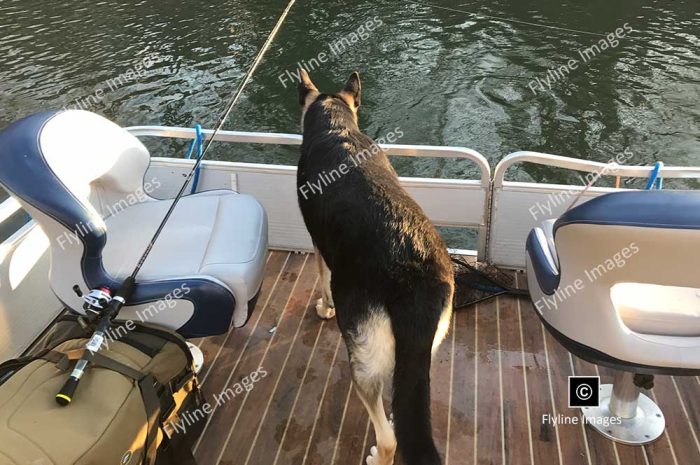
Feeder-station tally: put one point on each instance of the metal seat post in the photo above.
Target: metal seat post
(625, 395)
(624, 414)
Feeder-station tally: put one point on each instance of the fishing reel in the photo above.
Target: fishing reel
(95, 301)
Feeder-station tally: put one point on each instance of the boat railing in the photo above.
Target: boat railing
(576, 164)
(404, 150)
(8, 208)
(501, 211)
(516, 207)
(460, 203)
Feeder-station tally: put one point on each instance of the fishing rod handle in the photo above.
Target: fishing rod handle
(67, 392)
(65, 395)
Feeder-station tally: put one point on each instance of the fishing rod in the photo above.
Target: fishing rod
(100, 301)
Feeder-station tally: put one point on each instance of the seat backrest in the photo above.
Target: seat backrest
(69, 170)
(632, 236)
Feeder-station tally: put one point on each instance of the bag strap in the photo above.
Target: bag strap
(149, 388)
(55, 357)
(62, 361)
(151, 403)
(179, 449)
(10, 367)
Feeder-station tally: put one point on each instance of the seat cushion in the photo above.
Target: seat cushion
(219, 233)
(659, 310)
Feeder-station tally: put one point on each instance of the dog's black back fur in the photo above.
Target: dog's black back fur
(383, 252)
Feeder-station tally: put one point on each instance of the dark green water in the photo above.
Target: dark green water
(443, 76)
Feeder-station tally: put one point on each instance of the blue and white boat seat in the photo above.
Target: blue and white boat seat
(618, 274)
(615, 280)
(81, 177)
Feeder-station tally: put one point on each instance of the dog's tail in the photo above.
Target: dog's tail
(411, 400)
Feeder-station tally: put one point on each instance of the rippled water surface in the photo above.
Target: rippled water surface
(447, 73)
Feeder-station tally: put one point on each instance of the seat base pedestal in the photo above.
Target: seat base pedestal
(644, 427)
(197, 357)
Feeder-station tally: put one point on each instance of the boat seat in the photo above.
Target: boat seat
(81, 177)
(654, 309)
(548, 229)
(615, 281)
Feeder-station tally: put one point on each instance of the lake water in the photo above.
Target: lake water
(494, 76)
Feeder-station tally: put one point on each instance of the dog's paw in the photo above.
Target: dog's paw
(375, 458)
(324, 311)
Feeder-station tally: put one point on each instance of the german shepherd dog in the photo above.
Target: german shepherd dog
(384, 269)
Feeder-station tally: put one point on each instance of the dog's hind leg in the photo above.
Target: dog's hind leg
(371, 348)
(325, 307)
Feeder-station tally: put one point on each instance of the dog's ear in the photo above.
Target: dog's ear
(305, 86)
(352, 88)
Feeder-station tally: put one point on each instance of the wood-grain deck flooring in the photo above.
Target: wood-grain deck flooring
(493, 379)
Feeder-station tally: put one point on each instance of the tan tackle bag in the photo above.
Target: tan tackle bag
(135, 387)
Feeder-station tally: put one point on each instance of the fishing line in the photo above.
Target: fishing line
(236, 96)
(597, 176)
(108, 307)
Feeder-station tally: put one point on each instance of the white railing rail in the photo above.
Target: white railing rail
(429, 151)
(8, 208)
(575, 164)
(492, 186)
(278, 138)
